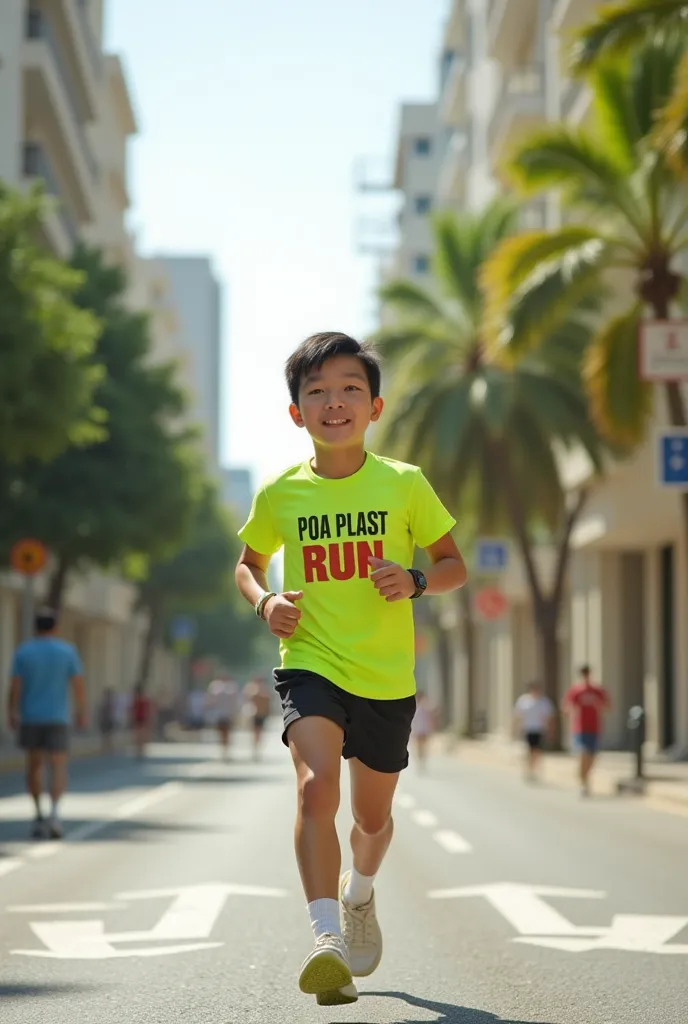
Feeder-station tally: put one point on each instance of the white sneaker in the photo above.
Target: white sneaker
(338, 996)
(361, 933)
(55, 827)
(326, 970)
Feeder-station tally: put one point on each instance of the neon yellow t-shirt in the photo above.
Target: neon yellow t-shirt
(329, 528)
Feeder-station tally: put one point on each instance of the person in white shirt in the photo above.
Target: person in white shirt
(422, 728)
(223, 705)
(534, 718)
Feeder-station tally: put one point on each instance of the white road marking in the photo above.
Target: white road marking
(405, 800)
(523, 908)
(6, 866)
(191, 915)
(452, 842)
(64, 908)
(146, 800)
(631, 933)
(426, 819)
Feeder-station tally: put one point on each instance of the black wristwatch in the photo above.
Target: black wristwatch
(420, 581)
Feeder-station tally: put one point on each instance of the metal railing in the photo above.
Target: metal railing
(39, 27)
(37, 165)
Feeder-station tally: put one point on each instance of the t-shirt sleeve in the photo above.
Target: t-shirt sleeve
(260, 530)
(429, 520)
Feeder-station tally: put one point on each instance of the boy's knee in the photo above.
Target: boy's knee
(319, 795)
(372, 821)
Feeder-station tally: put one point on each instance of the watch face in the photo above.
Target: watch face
(421, 580)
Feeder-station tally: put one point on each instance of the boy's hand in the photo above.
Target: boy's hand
(281, 613)
(392, 581)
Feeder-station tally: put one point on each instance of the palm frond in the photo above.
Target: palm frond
(620, 402)
(619, 27)
(617, 124)
(411, 300)
(561, 157)
(671, 134)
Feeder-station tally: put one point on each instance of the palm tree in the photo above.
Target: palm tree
(632, 219)
(621, 27)
(487, 429)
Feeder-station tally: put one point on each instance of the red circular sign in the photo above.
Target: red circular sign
(491, 602)
(28, 556)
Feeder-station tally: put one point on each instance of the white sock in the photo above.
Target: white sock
(359, 888)
(324, 915)
(54, 804)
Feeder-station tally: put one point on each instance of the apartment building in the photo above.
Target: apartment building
(66, 118)
(197, 296)
(628, 595)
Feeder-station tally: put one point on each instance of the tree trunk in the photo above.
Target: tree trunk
(547, 623)
(466, 610)
(57, 584)
(150, 639)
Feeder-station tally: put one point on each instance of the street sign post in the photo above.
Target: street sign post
(491, 603)
(491, 555)
(672, 458)
(663, 350)
(28, 556)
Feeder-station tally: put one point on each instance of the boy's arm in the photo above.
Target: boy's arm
(280, 611)
(448, 569)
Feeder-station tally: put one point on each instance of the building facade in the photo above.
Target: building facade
(66, 118)
(197, 296)
(627, 603)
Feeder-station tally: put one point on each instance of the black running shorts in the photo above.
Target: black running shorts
(52, 737)
(375, 731)
(534, 740)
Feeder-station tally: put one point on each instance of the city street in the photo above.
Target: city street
(175, 898)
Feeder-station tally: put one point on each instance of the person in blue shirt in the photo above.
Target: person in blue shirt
(46, 677)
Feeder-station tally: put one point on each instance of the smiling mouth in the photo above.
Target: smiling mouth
(335, 423)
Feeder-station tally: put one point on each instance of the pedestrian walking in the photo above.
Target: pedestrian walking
(534, 721)
(222, 710)
(586, 703)
(422, 728)
(107, 719)
(257, 703)
(47, 684)
(348, 521)
(141, 718)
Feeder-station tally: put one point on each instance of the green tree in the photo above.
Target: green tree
(486, 429)
(231, 632)
(195, 576)
(618, 29)
(632, 226)
(131, 492)
(47, 373)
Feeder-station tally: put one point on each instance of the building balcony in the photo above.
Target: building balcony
(453, 101)
(454, 169)
(59, 226)
(456, 25)
(511, 26)
(53, 109)
(80, 51)
(519, 108)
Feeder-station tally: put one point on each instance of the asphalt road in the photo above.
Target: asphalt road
(175, 898)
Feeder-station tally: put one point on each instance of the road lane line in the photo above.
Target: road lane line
(426, 819)
(6, 866)
(64, 908)
(452, 842)
(146, 800)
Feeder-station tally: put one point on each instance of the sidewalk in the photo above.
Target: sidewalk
(666, 785)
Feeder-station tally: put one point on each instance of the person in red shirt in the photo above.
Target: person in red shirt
(141, 716)
(586, 702)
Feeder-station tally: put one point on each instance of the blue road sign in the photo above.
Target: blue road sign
(491, 555)
(673, 458)
(182, 628)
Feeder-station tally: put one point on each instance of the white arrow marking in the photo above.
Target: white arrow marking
(64, 908)
(452, 842)
(631, 933)
(523, 909)
(426, 819)
(192, 915)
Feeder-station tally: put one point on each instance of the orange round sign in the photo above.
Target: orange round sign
(491, 602)
(28, 556)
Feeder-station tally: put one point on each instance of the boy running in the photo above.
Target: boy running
(348, 521)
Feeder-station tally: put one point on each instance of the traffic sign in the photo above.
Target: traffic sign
(491, 555)
(672, 458)
(182, 627)
(491, 603)
(663, 350)
(28, 556)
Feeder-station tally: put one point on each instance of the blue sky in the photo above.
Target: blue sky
(251, 116)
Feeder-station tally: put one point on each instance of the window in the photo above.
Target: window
(421, 264)
(422, 145)
(423, 204)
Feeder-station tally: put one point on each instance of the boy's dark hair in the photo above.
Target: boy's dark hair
(316, 350)
(45, 621)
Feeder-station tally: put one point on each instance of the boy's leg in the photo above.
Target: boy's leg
(316, 743)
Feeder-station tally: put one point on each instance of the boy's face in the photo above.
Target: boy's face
(335, 404)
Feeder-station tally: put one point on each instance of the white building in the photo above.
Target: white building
(197, 296)
(627, 603)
